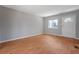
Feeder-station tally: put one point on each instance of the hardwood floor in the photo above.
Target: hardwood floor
(41, 44)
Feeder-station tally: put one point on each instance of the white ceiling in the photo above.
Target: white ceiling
(43, 10)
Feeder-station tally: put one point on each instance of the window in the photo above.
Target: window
(68, 20)
(53, 24)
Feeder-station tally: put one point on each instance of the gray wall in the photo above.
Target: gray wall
(77, 25)
(59, 16)
(15, 24)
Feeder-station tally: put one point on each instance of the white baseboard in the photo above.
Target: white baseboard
(34, 35)
(64, 36)
(19, 38)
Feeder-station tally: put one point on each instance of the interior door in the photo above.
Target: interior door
(68, 26)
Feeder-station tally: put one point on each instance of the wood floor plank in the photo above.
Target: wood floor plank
(41, 44)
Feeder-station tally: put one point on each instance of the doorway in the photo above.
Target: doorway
(68, 26)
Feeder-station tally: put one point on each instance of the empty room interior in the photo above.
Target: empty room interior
(39, 29)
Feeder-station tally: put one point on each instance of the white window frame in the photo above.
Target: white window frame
(53, 24)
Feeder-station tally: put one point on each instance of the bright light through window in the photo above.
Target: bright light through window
(68, 20)
(53, 24)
